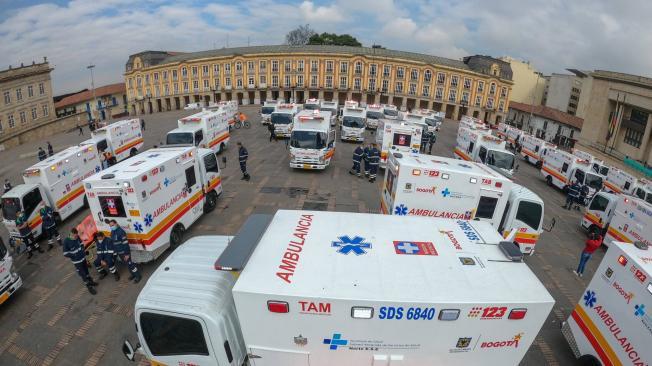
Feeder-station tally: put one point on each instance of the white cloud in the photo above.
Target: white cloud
(401, 28)
(320, 14)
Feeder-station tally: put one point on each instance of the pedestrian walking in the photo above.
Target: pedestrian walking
(7, 185)
(425, 138)
(50, 149)
(121, 247)
(49, 226)
(572, 195)
(81, 130)
(431, 142)
(272, 132)
(243, 155)
(105, 256)
(42, 155)
(591, 245)
(365, 160)
(584, 193)
(357, 158)
(26, 235)
(75, 251)
(374, 160)
(142, 124)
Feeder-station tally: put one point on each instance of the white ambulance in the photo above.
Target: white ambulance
(643, 190)
(313, 288)
(283, 117)
(619, 181)
(229, 107)
(374, 113)
(55, 182)
(435, 120)
(417, 118)
(631, 221)
(598, 166)
(472, 122)
(206, 129)
(397, 136)
(533, 149)
(122, 139)
(599, 212)
(612, 322)
(312, 143)
(266, 111)
(155, 197)
(481, 146)
(354, 122)
(509, 133)
(311, 104)
(10, 281)
(390, 111)
(330, 106)
(435, 186)
(561, 169)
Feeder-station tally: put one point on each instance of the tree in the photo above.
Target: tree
(299, 36)
(334, 39)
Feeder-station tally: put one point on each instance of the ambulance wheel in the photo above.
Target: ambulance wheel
(588, 360)
(211, 202)
(538, 164)
(549, 180)
(133, 152)
(176, 236)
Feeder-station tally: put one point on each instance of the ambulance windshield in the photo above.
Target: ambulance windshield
(281, 118)
(179, 138)
(328, 109)
(390, 112)
(501, 159)
(10, 207)
(267, 110)
(530, 214)
(308, 139)
(355, 122)
(593, 181)
(374, 115)
(310, 107)
(3, 250)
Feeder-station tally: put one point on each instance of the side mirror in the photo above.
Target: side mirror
(129, 351)
(552, 225)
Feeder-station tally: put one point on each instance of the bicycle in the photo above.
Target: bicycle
(238, 124)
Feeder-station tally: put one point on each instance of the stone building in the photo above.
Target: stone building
(106, 102)
(476, 85)
(26, 100)
(545, 123)
(562, 92)
(529, 84)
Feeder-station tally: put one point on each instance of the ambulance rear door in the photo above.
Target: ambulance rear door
(259, 356)
(110, 204)
(487, 207)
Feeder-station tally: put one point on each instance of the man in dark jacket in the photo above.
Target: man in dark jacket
(431, 142)
(357, 158)
(75, 251)
(26, 235)
(50, 149)
(243, 155)
(425, 139)
(365, 159)
(105, 256)
(49, 226)
(42, 155)
(272, 132)
(573, 195)
(122, 249)
(374, 161)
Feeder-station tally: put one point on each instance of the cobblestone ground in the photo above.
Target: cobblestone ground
(53, 320)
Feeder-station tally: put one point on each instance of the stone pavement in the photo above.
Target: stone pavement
(53, 320)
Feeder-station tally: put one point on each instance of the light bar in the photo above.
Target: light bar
(517, 314)
(362, 312)
(622, 260)
(280, 307)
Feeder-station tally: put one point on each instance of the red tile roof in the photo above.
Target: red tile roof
(549, 113)
(88, 95)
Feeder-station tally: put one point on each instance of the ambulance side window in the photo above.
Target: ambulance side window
(564, 168)
(536, 148)
(199, 136)
(599, 203)
(470, 149)
(530, 214)
(626, 186)
(191, 179)
(170, 335)
(640, 193)
(31, 200)
(483, 154)
(486, 207)
(579, 176)
(102, 145)
(210, 162)
(501, 227)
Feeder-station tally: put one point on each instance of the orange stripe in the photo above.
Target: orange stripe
(35, 223)
(219, 139)
(461, 154)
(593, 218)
(530, 153)
(382, 207)
(596, 338)
(612, 187)
(214, 184)
(128, 146)
(618, 235)
(70, 196)
(525, 238)
(555, 173)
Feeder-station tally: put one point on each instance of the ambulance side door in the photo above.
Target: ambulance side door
(276, 357)
(210, 173)
(193, 187)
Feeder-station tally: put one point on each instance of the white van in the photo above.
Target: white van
(123, 139)
(312, 143)
(206, 129)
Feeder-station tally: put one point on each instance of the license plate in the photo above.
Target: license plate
(307, 166)
(4, 297)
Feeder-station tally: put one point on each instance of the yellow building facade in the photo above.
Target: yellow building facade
(480, 86)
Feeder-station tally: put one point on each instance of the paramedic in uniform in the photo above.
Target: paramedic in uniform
(105, 256)
(50, 226)
(74, 250)
(357, 158)
(26, 235)
(365, 159)
(121, 247)
(374, 160)
(243, 155)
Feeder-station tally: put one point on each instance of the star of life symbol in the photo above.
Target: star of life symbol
(138, 227)
(148, 220)
(401, 210)
(346, 245)
(590, 298)
(445, 192)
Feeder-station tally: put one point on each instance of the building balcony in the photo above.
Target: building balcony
(228, 87)
(207, 88)
(263, 85)
(251, 86)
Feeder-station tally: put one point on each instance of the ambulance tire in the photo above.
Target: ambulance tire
(549, 180)
(538, 164)
(588, 360)
(176, 236)
(211, 202)
(133, 152)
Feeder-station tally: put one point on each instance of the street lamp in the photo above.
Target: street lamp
(91, 67)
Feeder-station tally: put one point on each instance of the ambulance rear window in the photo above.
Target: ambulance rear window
(172, 336)
(402, 139)
(102, 145)
(112, 206)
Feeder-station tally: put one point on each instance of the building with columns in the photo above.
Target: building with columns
(476, 85)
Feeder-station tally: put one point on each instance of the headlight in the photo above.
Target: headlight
(321, 159)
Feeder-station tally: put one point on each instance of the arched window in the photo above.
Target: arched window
(427, 76)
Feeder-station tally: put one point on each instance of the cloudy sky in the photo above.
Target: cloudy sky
(553, 35)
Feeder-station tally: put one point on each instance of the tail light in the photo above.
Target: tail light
(622, 260)
(278, 307)
(517, 314)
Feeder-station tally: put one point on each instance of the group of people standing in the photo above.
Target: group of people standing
(576, 195)
(370, 156)
(42, 155)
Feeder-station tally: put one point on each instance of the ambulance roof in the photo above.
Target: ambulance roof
(142, 163)
(270, 102)
(20, 190)
(58, 157)
(285, 108)
(355, 111)
(328, 102)
(356, 256)
(448, 165)
(643, 258)
(197, 117)
(525, 193)
(374, 107)
(187, 278)
(312, 101)
(312, 120)
(113, 125)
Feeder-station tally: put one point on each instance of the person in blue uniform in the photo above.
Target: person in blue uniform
(75, 251)
(121, 247)
(374, 160)
(357, 158)
(105, 256)
(49, 226)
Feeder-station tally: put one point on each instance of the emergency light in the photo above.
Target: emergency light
(445, 176)
(622, 260)
(473, 180)
(517, 314)
(361, 312)
(280, 307)
(649, 287)
(449, 314)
